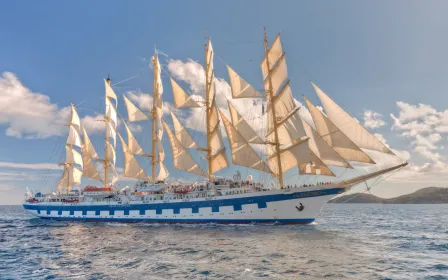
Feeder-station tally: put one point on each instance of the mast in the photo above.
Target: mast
(270, 97)
(208, 84)
(153, 118)
(106, 157)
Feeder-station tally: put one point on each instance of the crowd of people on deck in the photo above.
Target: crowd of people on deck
(309, 185)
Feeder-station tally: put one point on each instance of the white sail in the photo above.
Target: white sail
(288, 130)
(182, 134)
(219, 161)
(181, 157)
(278, 76)
(89, 170)
(111, 112)
(132, 168)
(240, 88)
(218, 154)
(315, 167)
(133, 145)
(243, 127)
(110, 153)
(274, 53)
(88, 146)
(161, 151)
(71, 175)
(111, 132)
(109, 91)
(322, 150)
(291, 156)
(75, 121)
(163, 172)
(134, 113)
(72, 156)
(158, 75)
(209, 72)
(181, 98)
(349, 126)
(335, 137)
(242, 153)
(73, 137)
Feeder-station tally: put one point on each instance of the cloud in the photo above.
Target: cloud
(31, 115)
(373, 119)
(35, 166)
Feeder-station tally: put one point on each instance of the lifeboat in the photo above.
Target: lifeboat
(32, 200)
(97, 191)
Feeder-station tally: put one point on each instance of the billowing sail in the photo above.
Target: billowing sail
(111, 112)
(75, 121)
(181, 98)
(163, 172)
(273, 55)
(243, 127)
(335, 137)
(240, 88)
(71, 175)
(209, 73)
(291, 156)
(315, 167)
(134, 113)
(89, 170)
(182, 134)
(110, 151)
(73, 137)
(88, 146)
(109, 91)
(72, 156)
(181, 157)
(277, 76)
(242, 153)
(216, 144)
(133, 145)
(132, 168)
(321, 149)
(349, 126)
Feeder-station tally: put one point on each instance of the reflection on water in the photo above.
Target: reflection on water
(347, 241)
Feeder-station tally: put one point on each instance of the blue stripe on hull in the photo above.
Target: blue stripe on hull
(195, 205)
(185, 221)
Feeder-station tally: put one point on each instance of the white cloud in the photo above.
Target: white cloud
(31, 115)
(36, 166)
(373, 119)
(427, 141)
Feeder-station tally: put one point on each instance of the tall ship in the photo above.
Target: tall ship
(291, 144)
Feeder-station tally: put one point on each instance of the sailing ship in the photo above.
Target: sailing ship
(334, 138)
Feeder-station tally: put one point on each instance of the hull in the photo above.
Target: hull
(276, 206)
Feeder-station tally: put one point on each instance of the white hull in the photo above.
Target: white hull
(276, 206)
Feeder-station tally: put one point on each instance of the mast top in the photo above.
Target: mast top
(108, 77)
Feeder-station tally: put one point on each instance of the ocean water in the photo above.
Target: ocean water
(346, 242)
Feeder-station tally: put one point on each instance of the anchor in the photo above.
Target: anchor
(300, 208)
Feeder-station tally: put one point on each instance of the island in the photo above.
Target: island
(430, 195)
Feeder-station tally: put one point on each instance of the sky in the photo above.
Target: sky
(384, 62)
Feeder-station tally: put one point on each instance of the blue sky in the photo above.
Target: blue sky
(365, 55)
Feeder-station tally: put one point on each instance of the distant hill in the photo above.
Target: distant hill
(431, 195)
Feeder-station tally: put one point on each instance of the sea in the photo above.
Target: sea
(347, 241)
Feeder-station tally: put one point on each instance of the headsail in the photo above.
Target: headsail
(349, 126)
(335, 137)
(88, 154)
(133, 145)
(242, 153)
